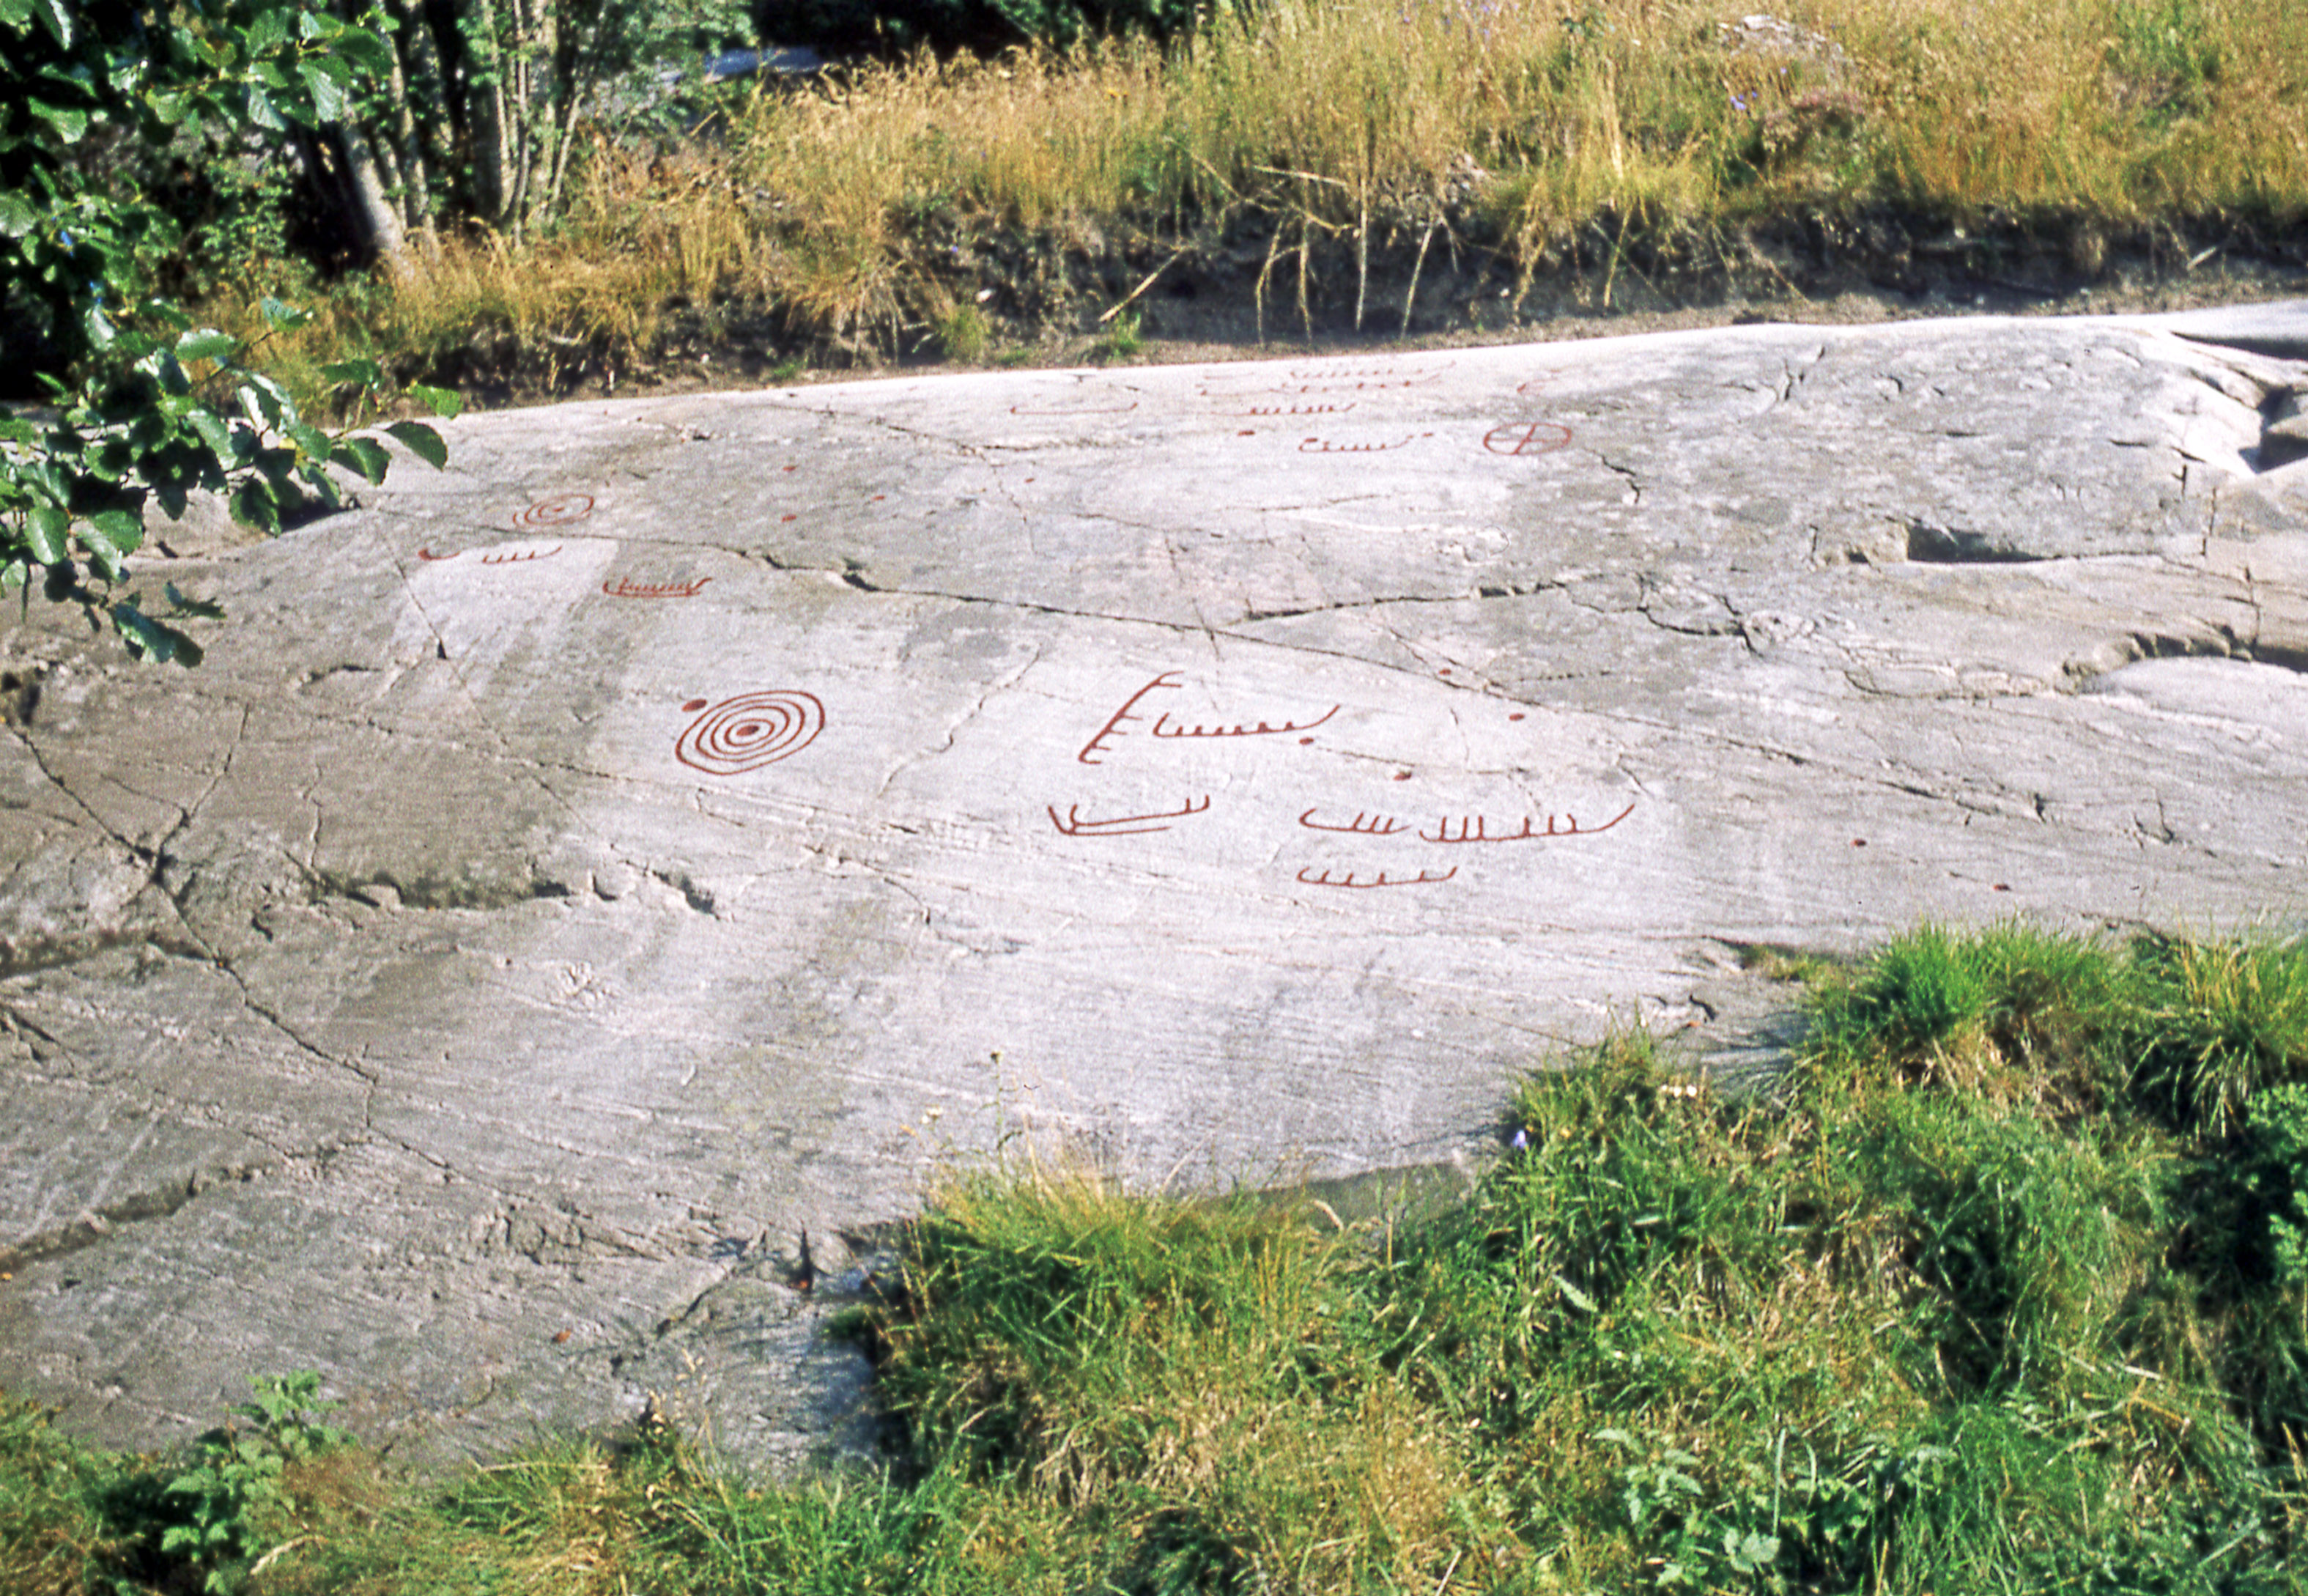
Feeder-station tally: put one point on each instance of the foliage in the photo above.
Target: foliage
(141, 402)
(226, 1502)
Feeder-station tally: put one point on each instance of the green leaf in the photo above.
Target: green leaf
(328, 101)
(443, 402)
(45, 530)
(1577, 1299)
(206, 343)
(122, 530)
(100, 330)
(268, 30)
(262, 400)
(156, 643)
(262, 112)
(51, 13)
(101, 549)
(252, 505)
(278, 313)
(167, 109)
(365, 456)
(69, 123)
(368, 374)
(312, 440)
(365, 50)
(18, 214)
(228, 446)
(422, 441)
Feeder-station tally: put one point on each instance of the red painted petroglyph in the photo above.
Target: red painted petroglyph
(426, 554)
(1112, 727)
(520, 556)
(1386, 373)
(1382, 879)
(1476, 828)
(1261, 729)
(1120, 825)
(1324, 446)
(1361, 825)
(1526, 437)
(557, 511)
(749, 731)
(1087, 409)
(627, 588)
(1164, 727)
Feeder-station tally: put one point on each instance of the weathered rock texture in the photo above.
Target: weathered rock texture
(577, 872)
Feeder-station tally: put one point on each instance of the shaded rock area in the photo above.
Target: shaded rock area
(684, 822)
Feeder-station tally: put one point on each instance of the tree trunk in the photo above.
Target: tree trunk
(374, 211)
(487, 70)
(412, 174)
(583, 70)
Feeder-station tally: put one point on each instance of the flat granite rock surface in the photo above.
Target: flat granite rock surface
(687, 821)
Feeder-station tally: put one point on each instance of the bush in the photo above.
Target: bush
(145, 403)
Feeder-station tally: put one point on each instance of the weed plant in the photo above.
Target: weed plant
(2003, 1287)
(852, 209)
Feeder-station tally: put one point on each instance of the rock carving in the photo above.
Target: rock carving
(1261, 729)
(560, 510)
(1097, 746)
(1476, 829)
(1424, 879)
(1361, 825)
(1120, 825)
(748, 731)
(627, 588)
(1324, 446)
(1526, 437)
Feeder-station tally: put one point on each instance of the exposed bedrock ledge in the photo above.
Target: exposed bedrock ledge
(685, 823)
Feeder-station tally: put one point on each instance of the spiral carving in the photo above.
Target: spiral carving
(749, 731)
(559, 510)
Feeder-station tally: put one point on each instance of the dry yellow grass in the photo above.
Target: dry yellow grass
(1522, 120)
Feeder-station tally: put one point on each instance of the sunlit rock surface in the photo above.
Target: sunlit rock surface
(684, 822)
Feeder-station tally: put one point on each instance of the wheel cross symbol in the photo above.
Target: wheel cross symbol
(1526, 437)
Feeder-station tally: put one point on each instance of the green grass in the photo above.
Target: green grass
(2003, 1287)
